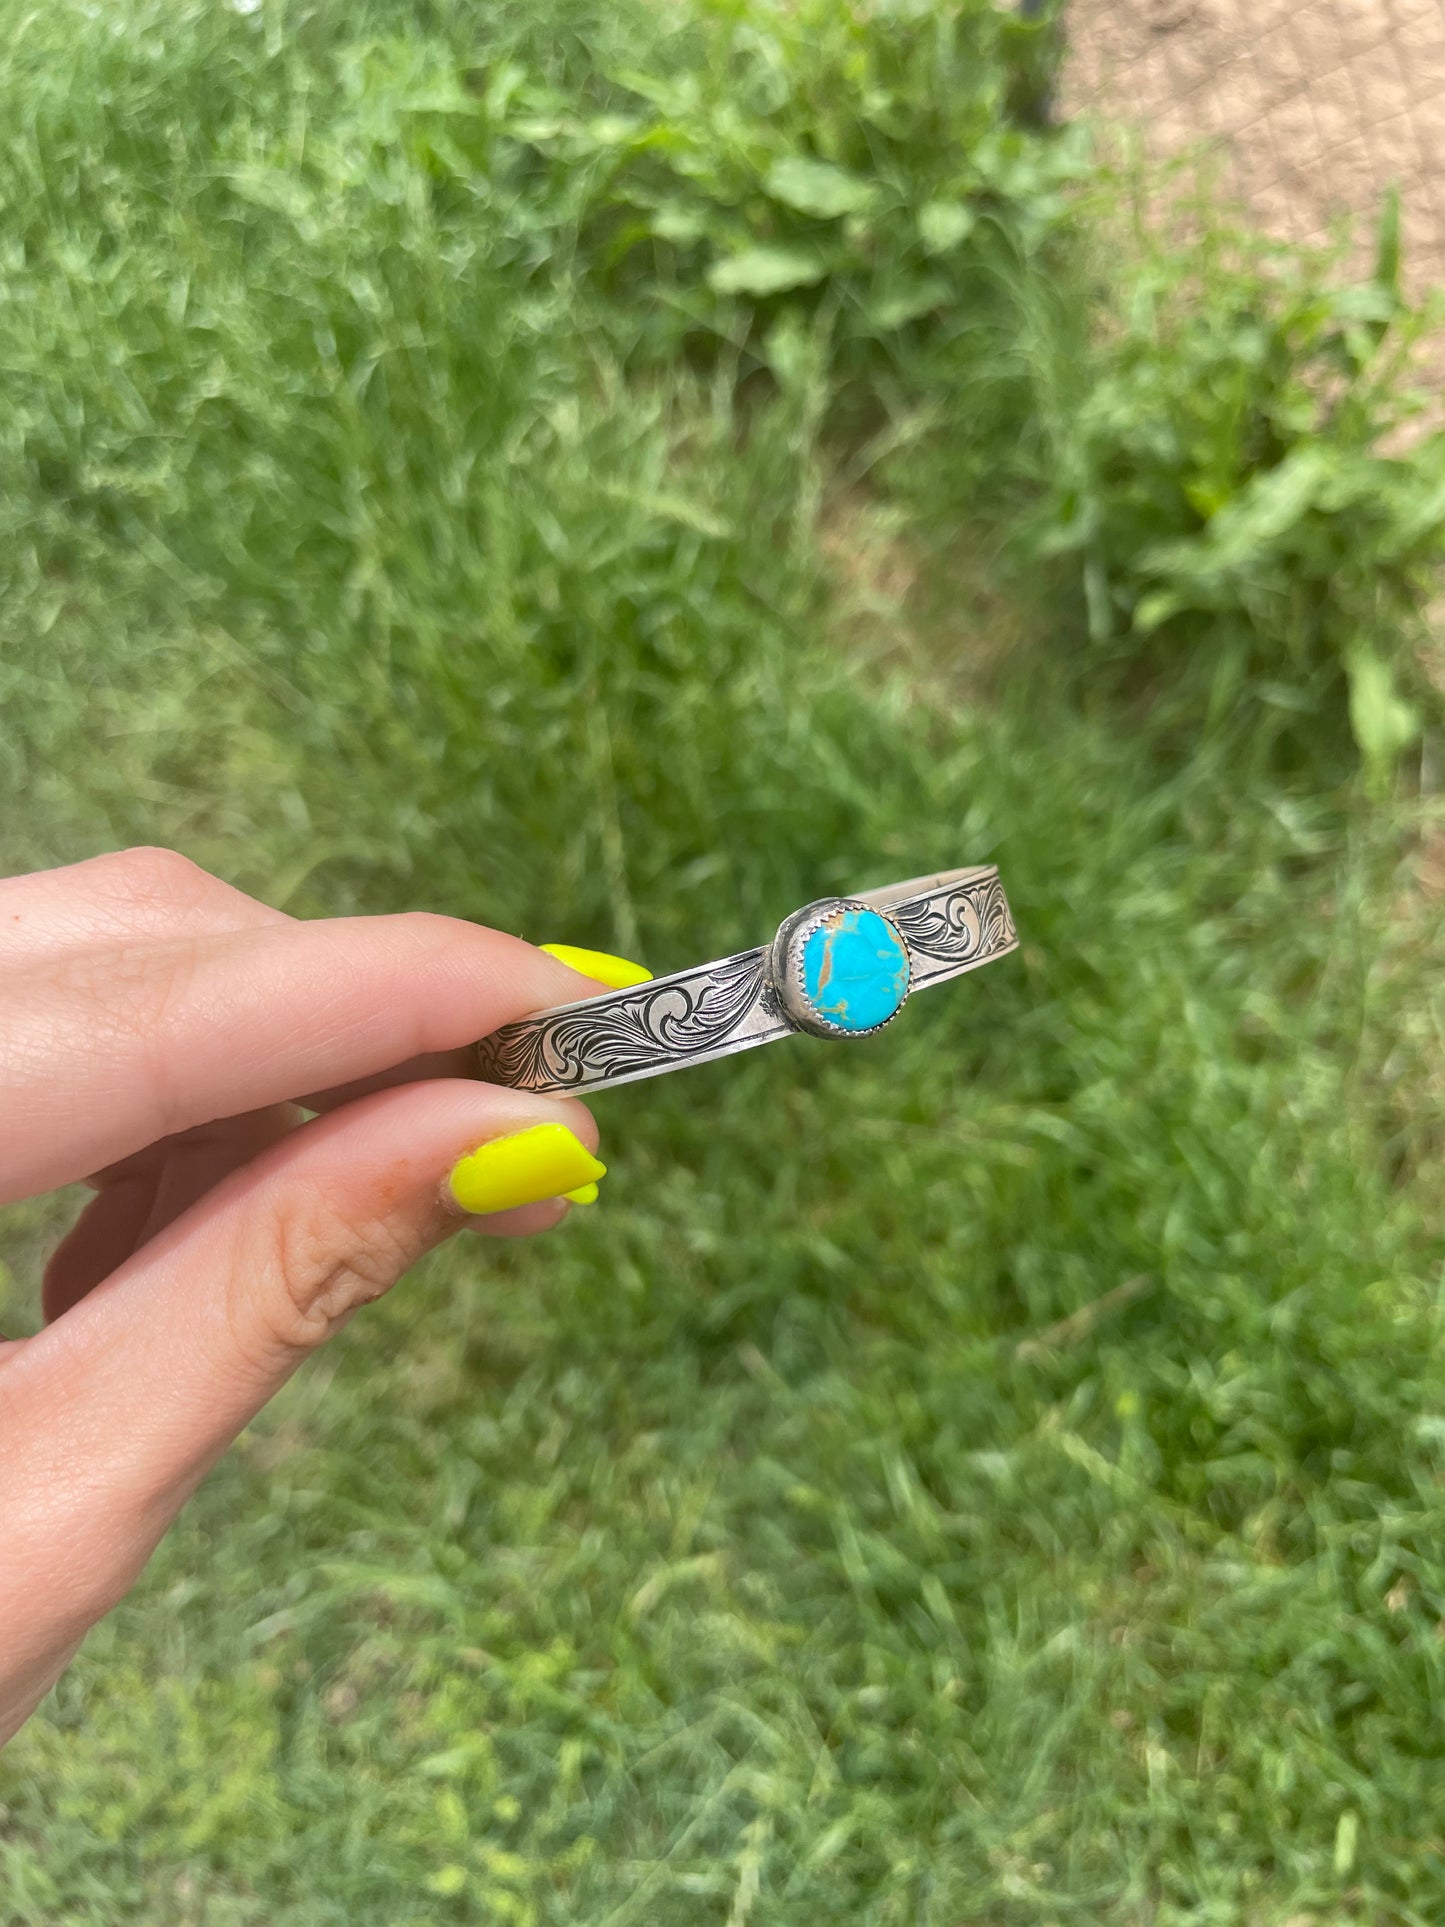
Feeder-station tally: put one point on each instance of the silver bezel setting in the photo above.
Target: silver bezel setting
(785, 967)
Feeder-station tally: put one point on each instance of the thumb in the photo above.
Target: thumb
(114, 1413)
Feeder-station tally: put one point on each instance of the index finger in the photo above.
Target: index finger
(105, 1052)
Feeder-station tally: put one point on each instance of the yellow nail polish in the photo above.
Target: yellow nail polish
(545, 1161)
(587, 1195)
(616, 972)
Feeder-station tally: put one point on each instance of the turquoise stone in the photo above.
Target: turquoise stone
(855, 969)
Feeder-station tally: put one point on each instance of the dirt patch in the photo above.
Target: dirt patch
(1314, 106)
(934, 612)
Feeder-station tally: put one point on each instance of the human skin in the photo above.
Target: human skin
(163, 1038)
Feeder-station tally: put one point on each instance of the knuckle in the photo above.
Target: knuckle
(151, 874)
(427, 930)
(323, 1264)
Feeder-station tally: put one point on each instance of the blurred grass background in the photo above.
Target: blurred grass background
(617, 473)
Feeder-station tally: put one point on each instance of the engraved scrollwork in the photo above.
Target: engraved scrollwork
(627, 1033)
(963, 925)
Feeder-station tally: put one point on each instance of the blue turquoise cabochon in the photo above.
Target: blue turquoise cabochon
(855, 969)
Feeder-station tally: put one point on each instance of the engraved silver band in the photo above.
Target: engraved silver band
(950, 922)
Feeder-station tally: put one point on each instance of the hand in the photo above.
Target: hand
(160, 1036)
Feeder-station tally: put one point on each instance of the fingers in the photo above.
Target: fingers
(114, 1413)
(105, 1234)
(416, 1070)
(144, 1194)
(129, 896)
(598, 970)
(107, 1052)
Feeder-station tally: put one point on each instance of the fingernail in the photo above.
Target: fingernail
(616, 972)
(587, 1195)
(546, 1161)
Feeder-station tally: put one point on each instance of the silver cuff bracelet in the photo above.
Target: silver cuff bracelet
(842, 967)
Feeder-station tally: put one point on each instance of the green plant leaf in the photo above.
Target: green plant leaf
(1154, 610)
(447, 1880)
(1248, 527)
(1420, 523)
(817, 188)
(905, 301)
(1347, 1836)
(606, 131)
(943, 224)
(675, 221)
(762, 271)
(1206, 496)
(1387, 243)
(1384, 724)
(1272, 503)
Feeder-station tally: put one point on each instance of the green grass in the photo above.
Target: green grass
(991, 1476)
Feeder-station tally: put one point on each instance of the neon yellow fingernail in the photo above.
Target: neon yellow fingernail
(616, 972)
(545, 1161)
(587, 1195)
